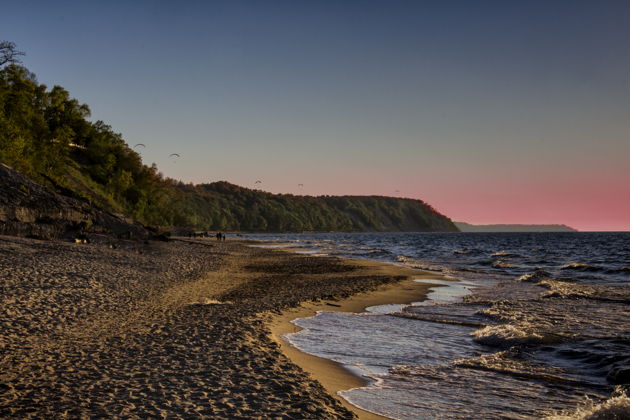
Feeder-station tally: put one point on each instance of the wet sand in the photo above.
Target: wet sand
(177, 329)
(333, 376)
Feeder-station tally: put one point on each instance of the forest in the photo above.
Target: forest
(48, 135)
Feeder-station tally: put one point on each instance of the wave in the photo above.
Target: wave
(504, 336)
(454, 392)
(420, 264)
(576, 266)
(467, 251)
(560, 288)
(507, 362)
(544, 327)
(616, 407)
(504, 254)
(535, 277)
(502, 264)
(440, 320)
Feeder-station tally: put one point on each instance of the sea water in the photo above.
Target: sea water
(532, 325)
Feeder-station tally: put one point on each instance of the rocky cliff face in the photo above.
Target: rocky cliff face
(34, 210)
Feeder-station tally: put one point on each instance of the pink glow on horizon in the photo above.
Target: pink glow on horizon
(587, 192)
(581, 206)
(594, 200)
(585, 206)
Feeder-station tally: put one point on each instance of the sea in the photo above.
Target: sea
(525, 325)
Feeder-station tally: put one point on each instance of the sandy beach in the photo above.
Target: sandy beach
(333, 376)
(184, 328)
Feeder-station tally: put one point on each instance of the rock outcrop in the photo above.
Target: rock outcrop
(34, 210)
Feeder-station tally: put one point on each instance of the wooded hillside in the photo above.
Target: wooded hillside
(46, 134)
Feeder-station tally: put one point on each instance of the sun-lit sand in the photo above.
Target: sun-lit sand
(117, 329)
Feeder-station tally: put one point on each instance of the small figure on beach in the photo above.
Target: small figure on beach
(220, 236)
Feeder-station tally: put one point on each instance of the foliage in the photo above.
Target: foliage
(47, 135)
(223, 206)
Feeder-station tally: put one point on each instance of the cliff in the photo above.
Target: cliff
(31, 209)
(224, 206)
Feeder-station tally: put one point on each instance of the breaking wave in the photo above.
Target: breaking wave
(505, 336)
(581, 267)
(615, 408)
(545, 332)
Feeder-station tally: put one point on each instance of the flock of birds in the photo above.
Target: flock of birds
(143, 145)
(176, 155)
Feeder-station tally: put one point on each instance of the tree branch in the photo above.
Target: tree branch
(8, 53)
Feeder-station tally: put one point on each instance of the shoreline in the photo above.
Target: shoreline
(334, 376)
(124, 328)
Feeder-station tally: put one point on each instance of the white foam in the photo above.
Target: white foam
(454, 291)
(614, 408)
(505, 336)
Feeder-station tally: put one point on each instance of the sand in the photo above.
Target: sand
(179, 329)
(333, 376)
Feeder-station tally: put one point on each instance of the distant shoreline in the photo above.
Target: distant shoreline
(512, 228)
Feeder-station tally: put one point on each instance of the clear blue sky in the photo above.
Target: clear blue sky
(492, 111)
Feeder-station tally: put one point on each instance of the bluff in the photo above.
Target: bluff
(28, 208)
(221, 205)
(71, 174)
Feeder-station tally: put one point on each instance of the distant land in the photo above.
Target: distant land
(467, 227)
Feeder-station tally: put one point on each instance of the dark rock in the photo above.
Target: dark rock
(161, 237)
(33, 210)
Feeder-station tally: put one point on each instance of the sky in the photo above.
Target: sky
(490, 111)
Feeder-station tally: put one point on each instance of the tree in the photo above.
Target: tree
(8, 53)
